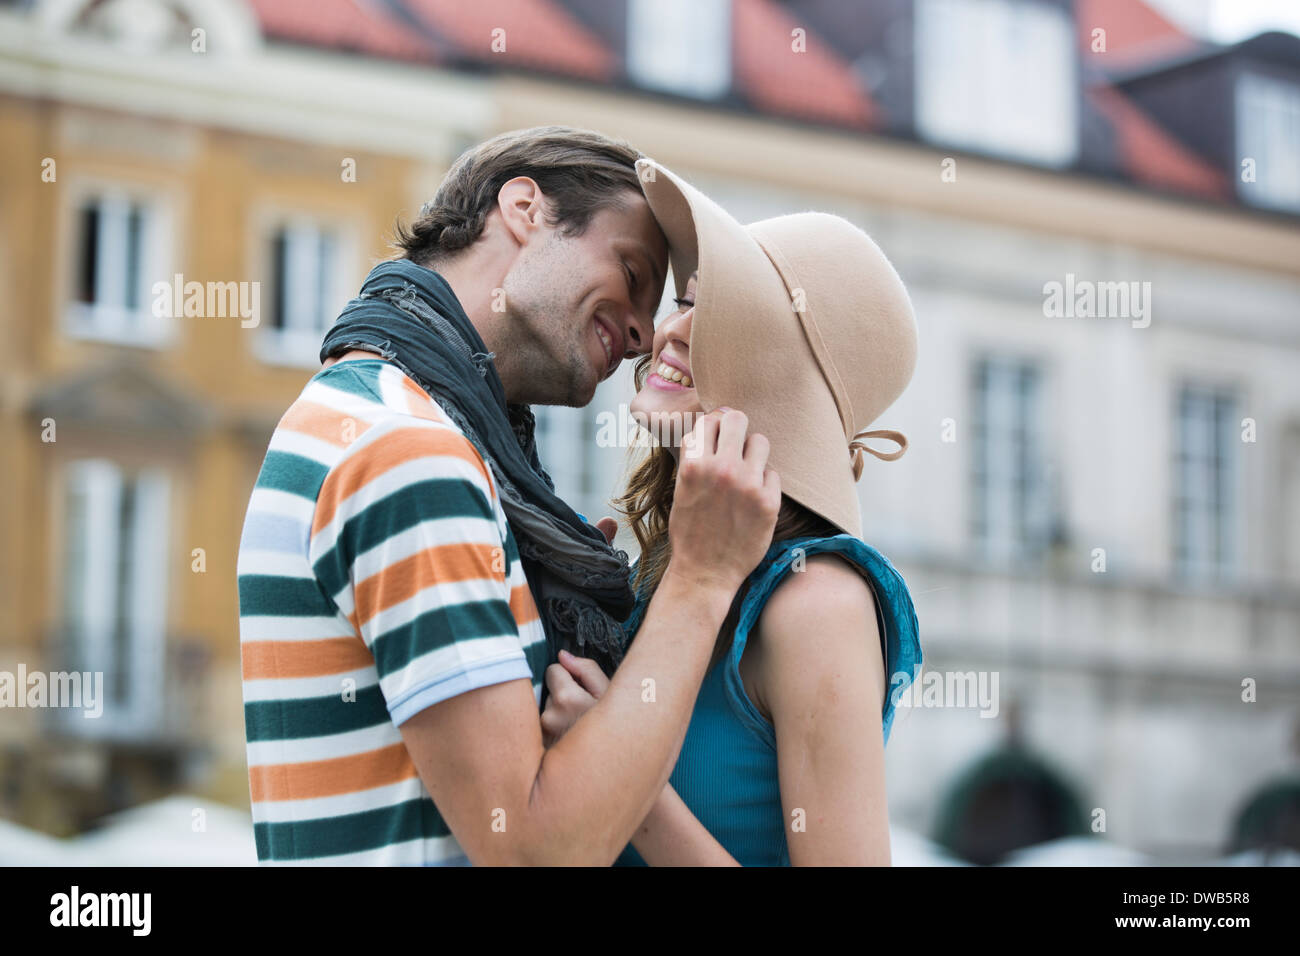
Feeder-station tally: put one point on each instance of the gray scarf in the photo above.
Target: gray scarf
(409, 316)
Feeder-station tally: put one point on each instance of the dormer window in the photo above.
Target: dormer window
(998, 77)
(680, 46)
(1268, 136)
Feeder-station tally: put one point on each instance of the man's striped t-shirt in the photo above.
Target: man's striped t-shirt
(377, 577)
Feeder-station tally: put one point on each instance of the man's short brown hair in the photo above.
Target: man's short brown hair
(579, 172)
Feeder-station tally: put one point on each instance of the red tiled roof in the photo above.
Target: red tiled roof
(341, 24)
(539, 34)
(815, 84)
(1150, 155)
(1135, 33)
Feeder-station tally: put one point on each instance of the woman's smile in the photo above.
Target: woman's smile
(669, 378)
(669, 388)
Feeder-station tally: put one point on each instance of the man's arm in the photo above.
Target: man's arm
(506, 798)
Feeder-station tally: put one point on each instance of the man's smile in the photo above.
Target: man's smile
(612, 342)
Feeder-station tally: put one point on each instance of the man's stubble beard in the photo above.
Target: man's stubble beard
(549, 353)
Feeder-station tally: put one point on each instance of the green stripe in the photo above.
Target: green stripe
(355, 377)
(314, 716)
(285, 471)
(441, 627)
(512, 552)
(350, 833)
(538, 655)
(283, 597)
(403, 509)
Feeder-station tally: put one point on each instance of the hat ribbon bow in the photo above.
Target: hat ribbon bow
(857, 446)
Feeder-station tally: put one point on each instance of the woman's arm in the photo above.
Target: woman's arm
(672, 835)
(819, 672)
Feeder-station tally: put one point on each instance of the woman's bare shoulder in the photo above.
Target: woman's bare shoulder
(821, 587)
(817, 638)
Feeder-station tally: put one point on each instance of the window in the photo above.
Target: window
(566, 445)
(114, 587)
(585, 450)
(1268, 131)
(1288, 517)
(561, 446)
(998, 76)
(307, 290)
(1010, 517)
(1204, 479)
(116, 262)
(680, 46)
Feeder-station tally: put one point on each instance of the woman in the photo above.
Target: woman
(801, 323)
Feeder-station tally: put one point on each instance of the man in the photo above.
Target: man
(406, 573)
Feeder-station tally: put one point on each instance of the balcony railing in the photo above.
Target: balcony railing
(153, 704)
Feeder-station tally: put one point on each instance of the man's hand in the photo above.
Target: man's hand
(725, 503)
(575, 684)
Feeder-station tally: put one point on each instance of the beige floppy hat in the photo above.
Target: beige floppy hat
(801, 323)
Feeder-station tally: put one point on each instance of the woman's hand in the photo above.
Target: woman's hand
(575, 684)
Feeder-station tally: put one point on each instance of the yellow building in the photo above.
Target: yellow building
(133, 436)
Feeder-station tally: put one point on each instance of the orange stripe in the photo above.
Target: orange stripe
(281, 659)
(522, 606)
(322, 422)
(421, 403)
(329, 778)
(441, 564)
(382, 455)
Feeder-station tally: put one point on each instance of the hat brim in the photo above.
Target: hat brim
(748, 349)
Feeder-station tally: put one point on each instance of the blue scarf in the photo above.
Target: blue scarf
(408, 315)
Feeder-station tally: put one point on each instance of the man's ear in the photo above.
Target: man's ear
(522, 208)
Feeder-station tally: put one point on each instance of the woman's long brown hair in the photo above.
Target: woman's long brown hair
(648, 500)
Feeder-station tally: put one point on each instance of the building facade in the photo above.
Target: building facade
(1099, 513)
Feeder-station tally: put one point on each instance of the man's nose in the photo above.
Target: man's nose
(639, 334)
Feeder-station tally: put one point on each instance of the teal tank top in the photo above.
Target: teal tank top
(726, 771)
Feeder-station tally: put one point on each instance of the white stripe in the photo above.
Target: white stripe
(307, 446)
(532, 633)
(447, 594)
(282, 503)
(348, 404)
(424, 468)
(283, 564)
(397, 396)
(421, 537)
(390, 387)
(447, 662)
(283, 627)
(516, 577)
(325, 747)
(301, 688)
(315, 808)
(411, 853)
